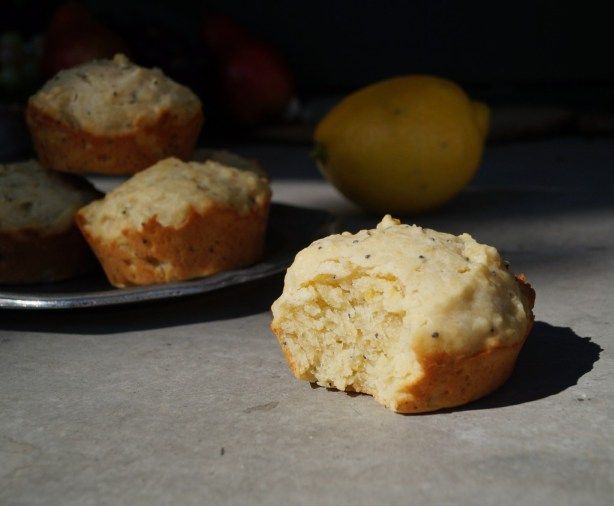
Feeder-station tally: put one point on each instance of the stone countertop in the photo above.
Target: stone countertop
(190, 401)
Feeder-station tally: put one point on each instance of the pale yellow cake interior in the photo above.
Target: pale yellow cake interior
(348, 333)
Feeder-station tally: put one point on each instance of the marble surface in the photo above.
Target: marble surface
(190, 401)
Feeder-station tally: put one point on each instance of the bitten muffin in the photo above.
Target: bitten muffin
(112, 117)
(178, 220)
(420, 320)
(38, 239)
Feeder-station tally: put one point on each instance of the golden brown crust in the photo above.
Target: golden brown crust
(527, 291)
(217, 240)
(451, 381)
(64, 148)
(447, 381)
(30, 256)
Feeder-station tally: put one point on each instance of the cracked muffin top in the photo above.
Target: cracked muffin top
(32, 198)
(168, 190)
(113, 96)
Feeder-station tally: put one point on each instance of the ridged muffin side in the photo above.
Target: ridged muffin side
(176, 221)
(39, 241)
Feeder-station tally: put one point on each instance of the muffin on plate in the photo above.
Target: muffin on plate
(39, 241)
(420, 320)
(112, 117)
(178, 220)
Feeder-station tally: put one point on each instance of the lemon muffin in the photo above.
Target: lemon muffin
(420, 320)
(112, 117)
(38, 239)
(178, 220)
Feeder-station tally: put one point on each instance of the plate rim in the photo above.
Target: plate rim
(140, 294)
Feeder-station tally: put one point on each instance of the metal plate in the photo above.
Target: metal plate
(290, 229)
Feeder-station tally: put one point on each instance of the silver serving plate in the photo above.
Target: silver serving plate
(290, 229)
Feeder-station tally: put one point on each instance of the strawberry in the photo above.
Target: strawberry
(221, 34)
(256, 83)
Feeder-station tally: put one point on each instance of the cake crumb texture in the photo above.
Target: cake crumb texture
(417, 318)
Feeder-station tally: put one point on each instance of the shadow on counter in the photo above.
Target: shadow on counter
(232, 302)
(552, 360)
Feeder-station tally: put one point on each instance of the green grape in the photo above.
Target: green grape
(19, 65)
(11, 47)
(10, 77)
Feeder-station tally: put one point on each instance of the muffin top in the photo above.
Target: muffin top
(454, 294)
(113, 96)
(168, 190)
(32, 198)
(230, 159)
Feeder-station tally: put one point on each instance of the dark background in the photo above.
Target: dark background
(545, 68)
(343, 44)
(339, 45)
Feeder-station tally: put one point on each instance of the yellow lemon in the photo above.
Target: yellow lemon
(403, 145)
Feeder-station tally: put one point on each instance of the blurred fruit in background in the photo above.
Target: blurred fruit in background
(404, 145)
(244, 82)
(221, 34)
(74, 36)
(158, 41)
(255, 83)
